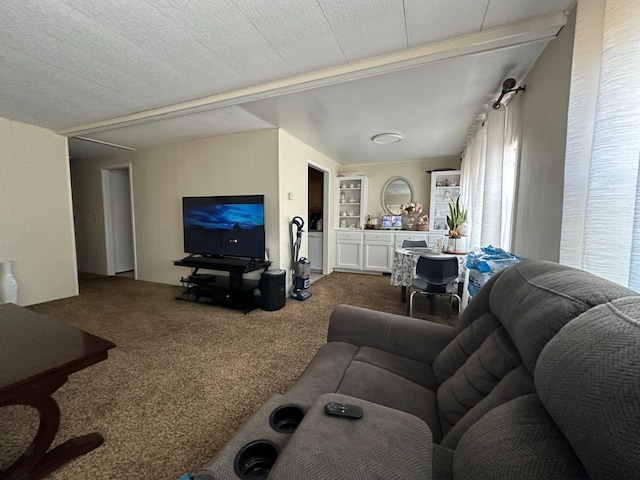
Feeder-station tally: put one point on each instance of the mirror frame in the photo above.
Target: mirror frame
(384, 189)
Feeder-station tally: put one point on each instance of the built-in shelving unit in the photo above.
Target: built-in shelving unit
(352, 199)
(444, 185)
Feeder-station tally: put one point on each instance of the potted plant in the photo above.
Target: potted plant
(457, 218)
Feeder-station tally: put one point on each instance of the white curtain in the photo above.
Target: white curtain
(601, 210)
(488, 180)
(472, 183)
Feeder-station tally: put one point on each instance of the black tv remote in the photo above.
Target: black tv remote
(343, 410)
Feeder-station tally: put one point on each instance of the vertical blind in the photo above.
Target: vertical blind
(601, 209)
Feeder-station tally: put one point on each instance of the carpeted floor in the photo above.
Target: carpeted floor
(183, 376)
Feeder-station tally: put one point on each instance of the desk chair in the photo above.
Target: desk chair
(414, 243)
(432, 277)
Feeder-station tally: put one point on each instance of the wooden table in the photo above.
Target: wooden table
(37, 355)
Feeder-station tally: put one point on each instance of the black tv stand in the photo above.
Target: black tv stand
(233, 290)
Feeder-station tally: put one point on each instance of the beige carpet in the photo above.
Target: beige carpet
(183, 376)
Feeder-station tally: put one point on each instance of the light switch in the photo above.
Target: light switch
(290, 195)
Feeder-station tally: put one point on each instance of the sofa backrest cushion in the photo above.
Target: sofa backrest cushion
(458, 351)
(527, 304)
(516, 440)
(516, 383)
(535, 299)
(588, 378)
(483, 370)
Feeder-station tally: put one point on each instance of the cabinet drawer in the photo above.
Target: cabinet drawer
(378, 237)
(357, 236)
(400, 237)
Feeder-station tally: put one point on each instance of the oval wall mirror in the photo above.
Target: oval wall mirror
(397, 191)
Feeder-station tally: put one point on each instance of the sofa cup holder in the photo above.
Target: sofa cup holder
(286, 418)
(255, 459)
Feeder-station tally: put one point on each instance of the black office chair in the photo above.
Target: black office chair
(432, 277)
(414, 243)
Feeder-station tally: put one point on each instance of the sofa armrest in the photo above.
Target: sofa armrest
(384, 443)
(404, 336)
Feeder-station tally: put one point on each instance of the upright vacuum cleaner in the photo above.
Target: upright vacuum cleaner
(301, 267)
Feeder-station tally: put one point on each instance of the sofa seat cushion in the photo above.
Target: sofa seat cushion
(412, 370)
(516, 440)
(384, 387)
(371, 374)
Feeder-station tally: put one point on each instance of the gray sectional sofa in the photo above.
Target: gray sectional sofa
(540, 380)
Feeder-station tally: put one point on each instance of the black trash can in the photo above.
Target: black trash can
(272, 289)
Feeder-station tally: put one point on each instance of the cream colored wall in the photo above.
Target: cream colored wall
(239, 164)
(294, 158)
(415, 171)
(541, 175)
(36, 223)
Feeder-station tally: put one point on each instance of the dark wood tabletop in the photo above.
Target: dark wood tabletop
(37, 355)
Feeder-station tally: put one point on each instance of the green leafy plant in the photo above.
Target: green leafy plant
(457, 215)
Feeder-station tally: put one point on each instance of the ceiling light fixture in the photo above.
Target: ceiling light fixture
(384, 138)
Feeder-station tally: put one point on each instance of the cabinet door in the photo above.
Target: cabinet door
(315, 252)
(378, 257)
(349, 254)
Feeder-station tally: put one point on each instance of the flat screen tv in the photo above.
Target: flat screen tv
(393, 222)
(223, 226)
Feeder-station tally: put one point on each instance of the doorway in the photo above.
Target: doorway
(318, 218)
(117, 190)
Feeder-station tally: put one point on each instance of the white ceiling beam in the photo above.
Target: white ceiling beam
(505, 37)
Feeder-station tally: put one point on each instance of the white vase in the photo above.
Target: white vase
(463, 229)
(8, 283)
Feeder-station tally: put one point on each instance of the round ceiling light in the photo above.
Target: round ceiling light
(384, 138)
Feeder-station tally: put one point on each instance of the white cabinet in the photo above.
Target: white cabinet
(413, 236)
(373, 251)
(315, 250)
(378, 252)
(349, 250)
(430, 237)
(444, 185)
(352, 200)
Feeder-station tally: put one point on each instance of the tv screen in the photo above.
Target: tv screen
(224, 226)
(392, 221)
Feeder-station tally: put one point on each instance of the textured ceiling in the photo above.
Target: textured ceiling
(332, 73)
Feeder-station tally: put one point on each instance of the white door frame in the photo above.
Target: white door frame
(108, 222)
(326, 191)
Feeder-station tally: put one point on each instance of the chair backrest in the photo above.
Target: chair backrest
(436, 271)
(414, 243)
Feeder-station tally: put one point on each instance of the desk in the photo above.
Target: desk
(404, 267)
(37, 355)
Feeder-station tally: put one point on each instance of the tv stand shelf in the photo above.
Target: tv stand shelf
(232, 291)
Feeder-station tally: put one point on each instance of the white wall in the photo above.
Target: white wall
(294, 157)
(544, 125)
(240, 164)
(415, 171)
(36, 223)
